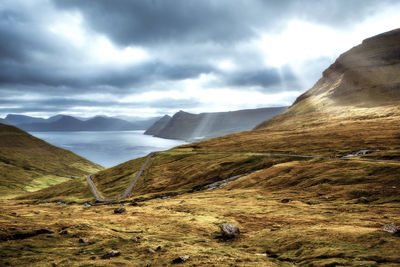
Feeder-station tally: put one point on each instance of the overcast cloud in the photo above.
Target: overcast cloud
(147, 58)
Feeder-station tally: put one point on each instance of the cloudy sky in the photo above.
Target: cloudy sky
(155, 57)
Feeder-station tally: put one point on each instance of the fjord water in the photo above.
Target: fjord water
(107, 148)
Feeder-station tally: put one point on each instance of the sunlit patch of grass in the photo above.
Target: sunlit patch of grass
(44, 181)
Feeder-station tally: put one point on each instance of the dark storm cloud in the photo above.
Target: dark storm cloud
(151, 22)
(263, 77)
(144, 22)
(27, 74)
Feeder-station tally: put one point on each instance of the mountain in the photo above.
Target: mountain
(29, 164)
(187, 126)
(69, 123)
(157, 127)
(15, 119)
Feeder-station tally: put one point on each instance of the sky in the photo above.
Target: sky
(155, 57)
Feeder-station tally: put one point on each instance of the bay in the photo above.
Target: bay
(108, 148)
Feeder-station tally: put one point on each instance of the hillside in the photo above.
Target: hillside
(285, 185)
(187, 126)
(28, 164)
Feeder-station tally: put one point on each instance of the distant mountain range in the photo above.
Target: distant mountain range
(70, 123)
(192, 127)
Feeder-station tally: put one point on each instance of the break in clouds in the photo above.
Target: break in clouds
(146, 58)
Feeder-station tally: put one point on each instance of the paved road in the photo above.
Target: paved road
(132, 184)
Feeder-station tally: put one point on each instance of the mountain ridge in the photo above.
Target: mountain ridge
(69, 123)
(187, 126)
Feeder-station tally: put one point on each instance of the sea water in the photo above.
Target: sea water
(108, 148)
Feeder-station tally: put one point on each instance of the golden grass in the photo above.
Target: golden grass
(292, 233)
(44, 182)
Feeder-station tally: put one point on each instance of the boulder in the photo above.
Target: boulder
(392, 228)
(83, 240)
(180, 259)
(110, 254)
(285, 200)
(363, 200)
(119, 210)
(229, 231)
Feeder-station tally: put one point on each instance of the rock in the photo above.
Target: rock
(229, 231)
(150, 250)
(392, 228)
(285, 200)
(119, 210)
(181, 259)
(86, 204)
(158, 248)
(79, 252)
(64, 232)
(83, 240)
(54, 264)
(148, 265)
(111, 253)
(92, 257)
(363, 200)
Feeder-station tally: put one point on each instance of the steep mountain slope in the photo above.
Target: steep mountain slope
(187, 126)
(157, 127)
(28, 163)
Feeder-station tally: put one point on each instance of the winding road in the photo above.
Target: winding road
(128, 191)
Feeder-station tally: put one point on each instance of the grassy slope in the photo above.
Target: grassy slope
(28, 164)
